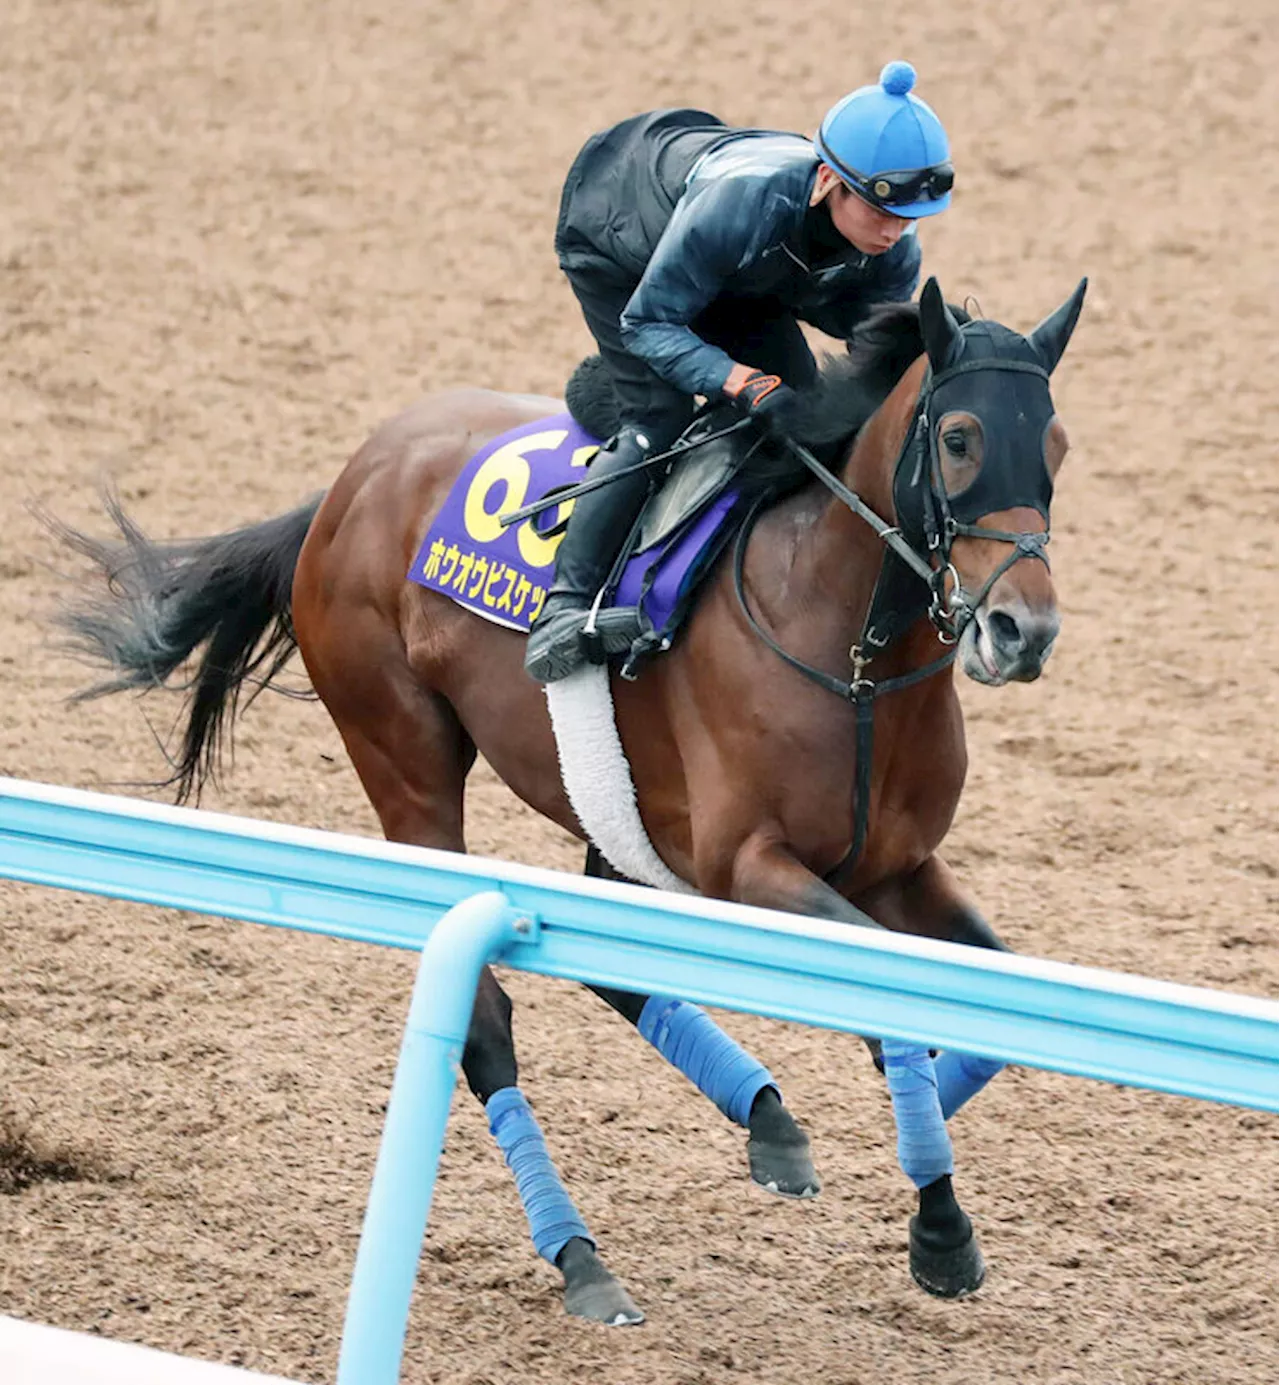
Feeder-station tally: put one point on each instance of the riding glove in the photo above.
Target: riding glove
(762, 397)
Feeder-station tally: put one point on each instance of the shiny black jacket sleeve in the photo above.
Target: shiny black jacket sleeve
(729, 235)
(716, 231)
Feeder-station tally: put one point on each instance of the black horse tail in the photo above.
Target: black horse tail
(230, 594)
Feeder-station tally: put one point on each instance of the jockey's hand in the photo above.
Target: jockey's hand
(762, 397)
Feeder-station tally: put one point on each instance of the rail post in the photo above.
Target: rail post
(395, 1221)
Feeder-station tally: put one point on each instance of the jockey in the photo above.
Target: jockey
(695, 251)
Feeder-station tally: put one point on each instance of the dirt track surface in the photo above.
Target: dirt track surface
(233, 238)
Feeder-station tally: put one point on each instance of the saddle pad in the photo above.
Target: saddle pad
(659, 580)
(504, 574)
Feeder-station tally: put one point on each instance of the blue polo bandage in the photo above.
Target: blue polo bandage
(960, 1076)
(553, 1219)
(924, 1147)
(689, 1039)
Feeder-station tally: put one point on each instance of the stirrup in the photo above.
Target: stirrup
(554, 649)
(561, 645)
(611, 631)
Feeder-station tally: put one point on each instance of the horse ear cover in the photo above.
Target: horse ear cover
(1049, 340)
(938, 327)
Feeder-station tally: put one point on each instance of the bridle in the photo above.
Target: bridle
(950, 612)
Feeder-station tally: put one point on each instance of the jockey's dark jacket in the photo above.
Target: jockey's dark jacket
(695, 211)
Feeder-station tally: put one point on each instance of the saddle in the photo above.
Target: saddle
(681, 532)
(503, 573)
(685, 524)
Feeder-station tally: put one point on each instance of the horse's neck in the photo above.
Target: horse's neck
(869, 467)
(845, 554)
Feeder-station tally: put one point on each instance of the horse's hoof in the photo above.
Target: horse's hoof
(604, 1301)
(778, 1150)
(783, 1168)
(591, 1291)
(951, 1273)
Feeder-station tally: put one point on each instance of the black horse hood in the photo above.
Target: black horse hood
(997, 376)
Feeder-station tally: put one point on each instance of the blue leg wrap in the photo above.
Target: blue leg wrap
(689, 1039)
(924, 1147)
(553, 1219)
(960, 1076)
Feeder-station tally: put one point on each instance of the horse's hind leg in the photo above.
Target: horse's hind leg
(413, 756)
(558, 1231)
(691, 1041)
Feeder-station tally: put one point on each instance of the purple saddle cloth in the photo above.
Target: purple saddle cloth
(503, 574)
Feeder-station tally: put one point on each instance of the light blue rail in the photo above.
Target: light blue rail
(463, 911)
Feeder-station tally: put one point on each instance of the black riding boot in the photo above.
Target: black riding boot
(600, 522)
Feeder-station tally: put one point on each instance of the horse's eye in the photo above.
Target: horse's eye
(955, 442)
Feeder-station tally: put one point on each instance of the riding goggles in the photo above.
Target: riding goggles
(901, 189)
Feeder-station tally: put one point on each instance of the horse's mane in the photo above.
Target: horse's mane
(848, 390)
(852, 386)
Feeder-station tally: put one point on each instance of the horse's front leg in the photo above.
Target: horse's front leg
(742, 1087)
(931, 904)
(944, 1256)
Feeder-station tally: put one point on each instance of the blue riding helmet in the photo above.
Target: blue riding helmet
(889, 147)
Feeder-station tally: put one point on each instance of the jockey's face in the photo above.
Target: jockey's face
(865, 227)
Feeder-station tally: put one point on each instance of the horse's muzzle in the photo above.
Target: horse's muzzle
(1008, 643)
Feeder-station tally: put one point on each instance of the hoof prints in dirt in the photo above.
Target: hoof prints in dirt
(25, 1161)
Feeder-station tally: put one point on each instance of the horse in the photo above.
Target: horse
(910, 538)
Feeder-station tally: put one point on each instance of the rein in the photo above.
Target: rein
(949, 614)
(859, 691)
(594, 483)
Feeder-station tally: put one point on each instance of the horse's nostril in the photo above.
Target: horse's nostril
(1004, 631)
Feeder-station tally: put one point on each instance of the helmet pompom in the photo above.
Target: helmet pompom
(897, 78)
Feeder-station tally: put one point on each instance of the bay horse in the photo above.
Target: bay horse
(922, 539)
